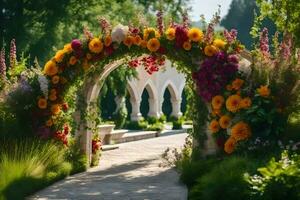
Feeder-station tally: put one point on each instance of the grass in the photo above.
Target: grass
(27, 166)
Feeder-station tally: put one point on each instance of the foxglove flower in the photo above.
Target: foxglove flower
(2, 64)
(13, 53)
(264, 42)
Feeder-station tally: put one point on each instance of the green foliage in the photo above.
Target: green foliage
(177, 122)
(137, 125)
(158, 126)
(120, 117)
(162, 119)
(152, 120)
(76, 157)
(95, 159)
(277, 180)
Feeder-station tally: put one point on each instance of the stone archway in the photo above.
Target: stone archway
(175, 98)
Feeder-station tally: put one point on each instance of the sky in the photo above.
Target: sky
(208, 8)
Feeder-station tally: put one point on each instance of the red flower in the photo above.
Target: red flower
(181, 36)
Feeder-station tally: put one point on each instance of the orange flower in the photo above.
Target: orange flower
(144, 43)
(73, 60)
(53, 91)
(68, 48)
(55, 79)
(150, 32)
(210, 50)
(42, 103)
(264, 91)
(107, 40)
(237, 84)
(229, 145)
(59, 56)
(50, 68)
(214, 126)
(170, 33)
(137, 40)
(233, 103)
(228, 87)
(95, 45)
(128, 41)
(187, 46)
(153, 44)
(224, 121)
(55, 109)
(245, 103)
(52, 97)
(240, 131)
(219, 43)
(49, 123)
(217, 102)
(195, 34)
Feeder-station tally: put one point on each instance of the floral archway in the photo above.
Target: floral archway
(209, 59)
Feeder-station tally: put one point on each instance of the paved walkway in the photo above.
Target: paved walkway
(131, 172)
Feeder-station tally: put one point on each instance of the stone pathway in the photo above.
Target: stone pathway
(131, 172)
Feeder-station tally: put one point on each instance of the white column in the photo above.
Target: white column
(120, 102)
(176, 108)
(153, 108)
(135, 113)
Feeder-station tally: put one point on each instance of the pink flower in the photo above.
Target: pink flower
(76, 44)
(2, 64)
(160, 25)
(264, 42)
(13, 53)
(230, 36)
(88, 35)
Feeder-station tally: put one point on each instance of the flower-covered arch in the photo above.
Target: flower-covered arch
(210, 60)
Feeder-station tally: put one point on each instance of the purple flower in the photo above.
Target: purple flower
(220, 56)
(13, 53)
(181, 36)
(2, 64)
(232, 59)
(230, 36)
(264, 42)
(160, 25)
(76, 44)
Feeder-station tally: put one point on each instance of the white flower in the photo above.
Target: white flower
(245, 67)
(43, 81)
(119, 33)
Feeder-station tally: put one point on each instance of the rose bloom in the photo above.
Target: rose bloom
(195, 34)
(233, 103)
(153, 44)
(214, 126)
(55, 109)
(264, 91)
(224, 121)
(217, 102)
(50, 68)
(95, 45)
(219, 43)
(187, 46)
(229, 145)
(237, 84)
(42, 103)
(170, 33)
(240, 131)
(210, 50)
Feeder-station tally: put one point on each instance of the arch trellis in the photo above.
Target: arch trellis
(92, 59)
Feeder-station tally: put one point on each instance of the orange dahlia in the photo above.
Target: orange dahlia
(137, 40)
(195, 34)
(224, 121)
(144, 44)
(217, 102)
(187, 46)
(264, 91)
(128, 41)
(52, 97)
(240, 131)
(50, 68)
(233, 103)
(219, 43)
(95, 45)
(55, 109)
(42, 103)
(59, 56)
(170, 33)
(153, 44)
(107, 40)
(73, 60)
(49, 122)
(214, 126)
(245, 103)
(237, 84)
(210, 50)
(55, 79)
(229, 145)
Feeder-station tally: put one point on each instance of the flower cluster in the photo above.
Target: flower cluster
(151, 63)
(96, 145)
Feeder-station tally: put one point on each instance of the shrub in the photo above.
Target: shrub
(156, 127)
(137, 125)
(162, 118)
(177, 122)
(76, 157)
(152, 120)
(277, 180)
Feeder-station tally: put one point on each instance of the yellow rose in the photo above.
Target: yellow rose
(195, 34)
(95, 45)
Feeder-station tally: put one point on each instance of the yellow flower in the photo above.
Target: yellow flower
(137, 40)
(195, 34)
(55, 79)
(229, 145)
(95, 45)
(233, 103)
(68, 48)
(49, 123)
(217, 102)
(240, 131)
(73, 60)
(128, 41)
(210, 50)
(153, 44)
(107, 40)
(237, 84)
(245, 103)
(219, 43)
(144, 43)
(59, 56)
(224, 121)
(214, 126)
(187, 46)
(50, 68)
(55, 109)
(264, 91)
(170, 33)
(148, 31)
(42, 103)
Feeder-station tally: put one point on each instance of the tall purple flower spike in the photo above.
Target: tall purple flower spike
(2, 64)
(13, 53)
